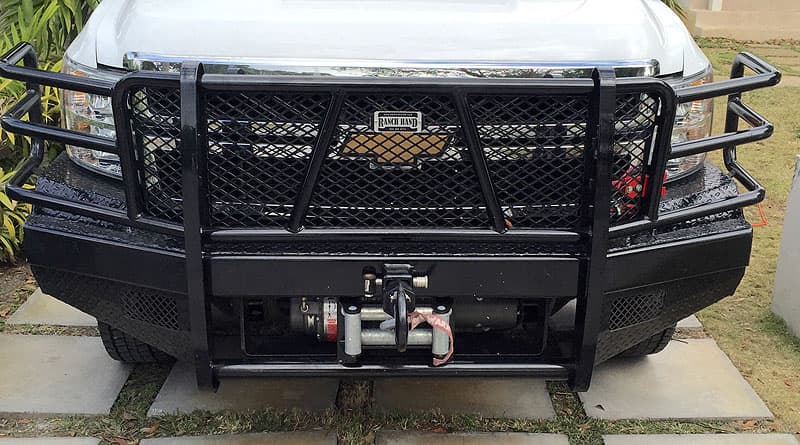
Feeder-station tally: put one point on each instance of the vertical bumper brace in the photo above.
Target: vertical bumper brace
(590, 301)
(196, 219)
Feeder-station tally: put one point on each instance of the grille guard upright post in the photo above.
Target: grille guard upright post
(590, 302)
(195, 216)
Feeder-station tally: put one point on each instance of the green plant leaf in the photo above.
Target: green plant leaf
(10, 228)
(50, 25)
(9, 249)
(6, 201)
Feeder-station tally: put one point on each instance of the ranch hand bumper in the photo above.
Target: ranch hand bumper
(257, 196)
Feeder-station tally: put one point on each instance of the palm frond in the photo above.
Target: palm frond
(50, 25)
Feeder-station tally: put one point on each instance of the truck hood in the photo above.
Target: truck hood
(385, 32)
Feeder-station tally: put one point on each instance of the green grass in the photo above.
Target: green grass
(743, 325)
(756, 341)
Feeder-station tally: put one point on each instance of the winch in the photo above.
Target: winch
(387, 316)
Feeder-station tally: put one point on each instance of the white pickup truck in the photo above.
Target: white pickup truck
(361, 188)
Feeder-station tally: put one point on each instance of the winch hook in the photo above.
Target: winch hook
(398, 299)
(401, 317)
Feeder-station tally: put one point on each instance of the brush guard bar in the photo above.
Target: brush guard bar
(602, 90)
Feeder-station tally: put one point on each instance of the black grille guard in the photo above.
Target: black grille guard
(602, 91)
(30, 105)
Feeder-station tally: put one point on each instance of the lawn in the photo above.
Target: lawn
(757, 343)
(743, 325)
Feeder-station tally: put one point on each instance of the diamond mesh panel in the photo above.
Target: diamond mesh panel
(635, 126)
(155, 122)
(636, 309)
(534, 147)
(398, 179)
(156, 309)
(259, 146)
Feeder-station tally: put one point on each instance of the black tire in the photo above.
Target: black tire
(121, 346)
(652, 345)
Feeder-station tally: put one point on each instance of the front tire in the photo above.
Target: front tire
(652, 345)
(122, 347)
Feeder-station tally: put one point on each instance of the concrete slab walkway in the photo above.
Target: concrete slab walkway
(50, 375)
(41, 308)
(691, 379)
(690, 322)
(293, 438)
(702, 439)
(180, 394)
(487, 397)
(413, 438)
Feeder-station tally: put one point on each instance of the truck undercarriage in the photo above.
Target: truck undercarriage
(301, 226)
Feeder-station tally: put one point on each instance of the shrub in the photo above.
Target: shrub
(12, 218)
(49, 25)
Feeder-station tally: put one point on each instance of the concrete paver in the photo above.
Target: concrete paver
(690, 379)
(564, 319)
(701, 439)
(179, 394)
(488, 397)
(41, 308)
(291, 438)
(690, 322)
(787, 280)
(57, 375)
(413, 438)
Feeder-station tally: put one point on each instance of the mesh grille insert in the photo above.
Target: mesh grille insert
(535, 147)
(629, 311)
(635, 121)
(260, 144)
(408, 180)
(155, 121)
(158, 310)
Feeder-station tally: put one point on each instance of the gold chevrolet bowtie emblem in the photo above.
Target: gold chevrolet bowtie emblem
(396, 140)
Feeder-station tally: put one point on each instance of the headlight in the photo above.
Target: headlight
(93, 114)
(90, 113)
(693, 121)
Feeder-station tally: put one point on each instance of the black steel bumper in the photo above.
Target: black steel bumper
(96, 266)
(93, 244)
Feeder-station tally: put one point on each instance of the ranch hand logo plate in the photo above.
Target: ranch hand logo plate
(398, 121)
(396, 140)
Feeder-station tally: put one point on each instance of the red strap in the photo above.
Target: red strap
(763, 216)
(435, 322)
